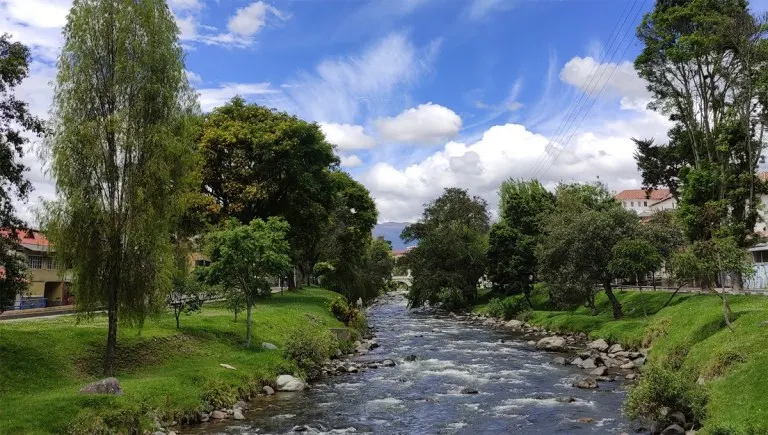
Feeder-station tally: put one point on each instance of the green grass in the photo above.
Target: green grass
(691, 328)
(43, 363)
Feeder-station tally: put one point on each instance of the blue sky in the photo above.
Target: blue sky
(418, 95)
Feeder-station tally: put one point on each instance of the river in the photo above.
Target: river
(519, 390)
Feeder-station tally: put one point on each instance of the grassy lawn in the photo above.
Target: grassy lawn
(43, 363)
(733, 363)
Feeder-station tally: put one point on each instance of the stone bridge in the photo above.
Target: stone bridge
(403, 280)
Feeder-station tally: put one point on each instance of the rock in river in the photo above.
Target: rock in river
(559, 361)
(600, 371)
(586, 383)
(289, 383)
(468, 390)
(104, 386)
(218, 415)
(556, 344)
(237, 415)
(410, 358)
(266, 389)
(588, 364)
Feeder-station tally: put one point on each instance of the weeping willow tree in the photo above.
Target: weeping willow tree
(122, 153)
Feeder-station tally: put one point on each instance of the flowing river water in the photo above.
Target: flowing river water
(519, 389)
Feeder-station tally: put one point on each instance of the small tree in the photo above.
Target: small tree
(245, 257)
(633, 258)
(187, 295)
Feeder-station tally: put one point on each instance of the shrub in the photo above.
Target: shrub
(721, 362)
(309, 348)
(451, 298)
(662, 389)
(219, 395)
(507, 308)
(340, 309)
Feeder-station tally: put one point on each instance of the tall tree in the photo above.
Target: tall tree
(452, 237)
(577, 243)
(123, 155)
(512, 241)
(705, 64)
(346, 241)
(246, 257)
(260, 163)
(15, 119)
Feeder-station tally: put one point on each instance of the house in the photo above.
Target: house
(48, 286)
(646, 202)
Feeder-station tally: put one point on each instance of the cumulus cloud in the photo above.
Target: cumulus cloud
(619, 79)
(213, 97)
(249, 20)
(350, 161)
(347, 136)
(426, 124)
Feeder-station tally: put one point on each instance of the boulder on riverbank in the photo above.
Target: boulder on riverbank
(554, 344)
(514, 324)
(599, 345)
(289, 383)
(104, 386)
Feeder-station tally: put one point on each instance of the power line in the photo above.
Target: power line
(589, 86)
(613, 70)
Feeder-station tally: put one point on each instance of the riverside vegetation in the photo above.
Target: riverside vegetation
(169, 373)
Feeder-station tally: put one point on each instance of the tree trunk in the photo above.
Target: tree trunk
(737, 282)
(109, 360)
(292, 280)
(614, 302)
(177, 314)
(248, 323)
(527, 298)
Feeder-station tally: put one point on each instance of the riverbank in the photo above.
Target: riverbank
(730, 364)
(175, 373)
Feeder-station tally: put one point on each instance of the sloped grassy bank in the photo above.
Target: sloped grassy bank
(695, 361)
(171, 373)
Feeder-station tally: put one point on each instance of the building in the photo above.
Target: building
(646, 202)
(48, 286)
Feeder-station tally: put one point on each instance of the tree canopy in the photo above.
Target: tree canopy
(259, 163)
(452, 237)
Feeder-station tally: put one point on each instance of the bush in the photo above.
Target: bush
(661, 390)
(309, 348)
(219, 395)
(658, 328)
(451, 299)
(507, 308)
(348, 315)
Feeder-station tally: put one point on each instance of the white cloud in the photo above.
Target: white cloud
(350, 161)
(347, 136)
(480, 8)
(187, 27)
(185, 5)
(213, 97)
(249, 20)
(340, 90)
(619, 79)
(426, 124)
(193, 77)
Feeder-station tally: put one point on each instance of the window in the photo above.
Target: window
(760, 256)
(35, 261)
(202, 263)
(633, 203)
(50, 264)
(645, 203)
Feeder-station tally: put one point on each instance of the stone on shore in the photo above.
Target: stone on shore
(268, 346)
(628, 366)
(514, 324)
(104, 386)
(589, 364)
(615, 348)
(218, 415)
(289, 383)
(266, 389)
(555, 344)
(672, 430)
(237, 415)
(599, 345)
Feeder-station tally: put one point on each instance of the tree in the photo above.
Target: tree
(512, 241)
(452, 237)
(704, 62)
(577, 244)
(245, 257)
(260, 163)
(187, 296)
(15, 119)
(709, 262)
(346, 244)
(122, 154)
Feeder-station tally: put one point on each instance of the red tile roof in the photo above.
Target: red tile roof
(28, 237)
(656, 194)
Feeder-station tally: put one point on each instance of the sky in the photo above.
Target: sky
(416, 95)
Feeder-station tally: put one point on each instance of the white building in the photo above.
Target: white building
(644, 202)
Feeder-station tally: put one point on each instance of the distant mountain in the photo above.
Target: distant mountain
(391, 231)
